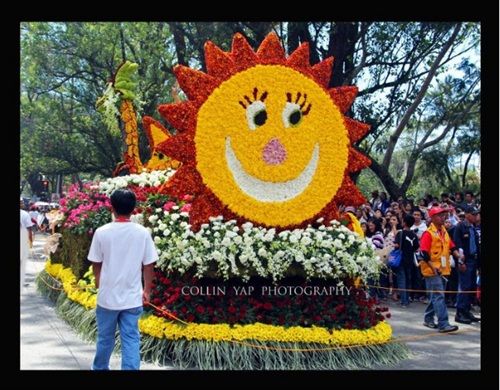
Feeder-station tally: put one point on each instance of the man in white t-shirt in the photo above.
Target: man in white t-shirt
(26, 240)
(419, 227)
(118, 252)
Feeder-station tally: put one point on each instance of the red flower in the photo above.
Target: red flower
(388, 315)
(267, 306)
(190, 318)
(231, 309)
(200, 309)
(340, 308)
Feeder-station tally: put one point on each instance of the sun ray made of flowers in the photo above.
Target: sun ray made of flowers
(262, 138)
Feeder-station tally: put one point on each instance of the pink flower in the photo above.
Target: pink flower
(186, 208)
(168, 206)
(187, 198)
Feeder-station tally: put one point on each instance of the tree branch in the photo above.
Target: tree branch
(404, 121)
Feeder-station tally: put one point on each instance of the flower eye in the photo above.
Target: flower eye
(292, 115)
(256, 114)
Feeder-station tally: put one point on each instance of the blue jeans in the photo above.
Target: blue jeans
(403, 275)
(466, 282)
(436, 305)
(127, 321)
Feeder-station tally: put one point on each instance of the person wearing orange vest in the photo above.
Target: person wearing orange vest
(435, 248)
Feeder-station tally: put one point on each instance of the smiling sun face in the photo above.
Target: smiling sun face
(261, 137)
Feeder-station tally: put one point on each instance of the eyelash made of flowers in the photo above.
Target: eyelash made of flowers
(255, 93)
(304, 101)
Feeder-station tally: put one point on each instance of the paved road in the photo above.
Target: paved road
(48, 343)
(430, 349)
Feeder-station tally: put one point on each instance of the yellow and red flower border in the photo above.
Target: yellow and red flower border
(163, 329)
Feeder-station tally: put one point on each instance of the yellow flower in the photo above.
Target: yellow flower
(161, 328)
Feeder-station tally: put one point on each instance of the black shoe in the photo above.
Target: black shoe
(462, 319)
(431, 325)
(448, 328)
(471, 317)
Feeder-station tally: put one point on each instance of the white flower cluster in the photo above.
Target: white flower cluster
(223, 249)
(145, 179)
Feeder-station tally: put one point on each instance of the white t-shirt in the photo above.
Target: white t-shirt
(420, 229)
(25, 220)
(122, 247)
(25, 246)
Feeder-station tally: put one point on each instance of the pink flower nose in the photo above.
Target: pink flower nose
(274, 152)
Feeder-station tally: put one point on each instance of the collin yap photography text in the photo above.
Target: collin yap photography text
(267, 290)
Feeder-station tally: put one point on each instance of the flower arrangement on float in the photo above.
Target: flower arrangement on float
(265, 155)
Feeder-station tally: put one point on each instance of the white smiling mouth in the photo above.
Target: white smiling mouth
(265, 191)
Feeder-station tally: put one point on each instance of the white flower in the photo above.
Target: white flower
(337, 243)
(305, 241)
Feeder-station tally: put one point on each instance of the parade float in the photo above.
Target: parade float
(258, 266)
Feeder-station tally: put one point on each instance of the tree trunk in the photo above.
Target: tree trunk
(179, 42)
(387, 180)
(466, 167)
(298, 32)
(342, 41)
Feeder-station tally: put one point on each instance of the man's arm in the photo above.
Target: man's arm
(96, 268)
(457, 243)
(148, 273)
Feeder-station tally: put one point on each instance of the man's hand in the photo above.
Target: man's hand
(462, 267)
(146, 297)
(437, 271)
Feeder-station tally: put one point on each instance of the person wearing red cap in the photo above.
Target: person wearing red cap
(435, 248)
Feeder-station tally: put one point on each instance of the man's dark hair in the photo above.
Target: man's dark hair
(469, 193)
(123, 201)
(417, 210)
(444, 195)
(409, 220)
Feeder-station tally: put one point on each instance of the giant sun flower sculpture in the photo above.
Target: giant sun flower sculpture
(261, 138)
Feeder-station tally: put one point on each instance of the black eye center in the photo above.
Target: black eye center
(160, 156)
(295, 117)
(260, 118)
